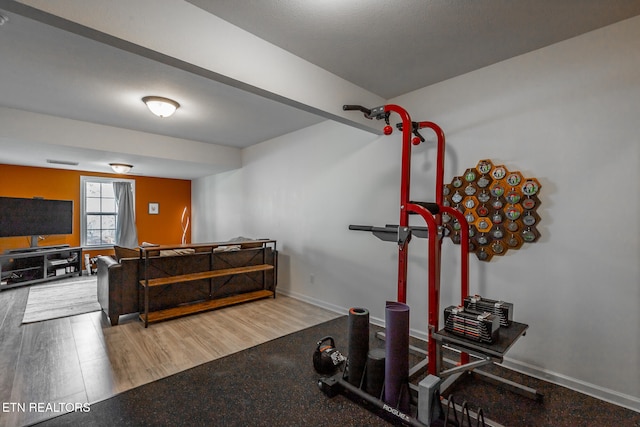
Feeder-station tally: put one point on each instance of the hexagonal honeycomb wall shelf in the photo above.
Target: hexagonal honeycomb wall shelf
(499, 205)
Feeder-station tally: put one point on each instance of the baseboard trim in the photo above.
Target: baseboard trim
(602, 393)
(313, 301)
(344, 311)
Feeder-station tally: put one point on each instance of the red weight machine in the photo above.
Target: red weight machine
(431, 213)
(429, 411)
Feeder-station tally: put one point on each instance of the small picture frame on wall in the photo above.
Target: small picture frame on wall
(154, 208)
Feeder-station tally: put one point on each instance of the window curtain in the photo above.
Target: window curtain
(126, 232)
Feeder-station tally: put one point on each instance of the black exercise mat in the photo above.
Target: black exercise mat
(274, 384)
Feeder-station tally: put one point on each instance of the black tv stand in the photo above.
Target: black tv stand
(20, 267)
(34, 249)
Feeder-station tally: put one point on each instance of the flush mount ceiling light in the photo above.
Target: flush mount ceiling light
(3, 19)
(161, 107)
(120, 167)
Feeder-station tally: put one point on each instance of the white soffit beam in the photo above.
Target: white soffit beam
(17, 125)
(182, 35)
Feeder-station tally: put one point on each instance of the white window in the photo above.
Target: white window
(98, 214)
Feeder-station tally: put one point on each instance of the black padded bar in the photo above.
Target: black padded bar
(383, 233)
(430, 206)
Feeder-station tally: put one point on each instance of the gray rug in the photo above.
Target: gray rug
(52, 301)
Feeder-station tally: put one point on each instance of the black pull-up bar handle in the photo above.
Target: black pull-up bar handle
(369, 113)
(348, 107)
(361, 227)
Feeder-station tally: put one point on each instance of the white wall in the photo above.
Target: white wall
(217, 205)
(567, 115)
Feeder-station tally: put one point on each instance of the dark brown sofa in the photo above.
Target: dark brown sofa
(119, 291)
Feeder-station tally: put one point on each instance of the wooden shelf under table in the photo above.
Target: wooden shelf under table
(161, 281)
(199, 307)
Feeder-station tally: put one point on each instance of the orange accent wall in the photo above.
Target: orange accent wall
(172, 196)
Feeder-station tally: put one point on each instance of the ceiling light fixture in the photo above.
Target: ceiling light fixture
(3, 19)
(120, 167)
(161, 107)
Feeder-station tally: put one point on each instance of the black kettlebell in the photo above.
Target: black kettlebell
(327, 359)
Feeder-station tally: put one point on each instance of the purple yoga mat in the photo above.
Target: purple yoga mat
(396, 368)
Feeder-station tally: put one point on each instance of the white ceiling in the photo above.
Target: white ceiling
(394, 47)
(387, 48)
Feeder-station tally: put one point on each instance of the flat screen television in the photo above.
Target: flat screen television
(35, 217)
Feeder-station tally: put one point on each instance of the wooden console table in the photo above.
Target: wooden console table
(184, 279)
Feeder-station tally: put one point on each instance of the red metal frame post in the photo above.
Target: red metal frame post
(464, 262)
(464, 249)
(433, 280)
(440, 161)
(405, 183)
(464, 244)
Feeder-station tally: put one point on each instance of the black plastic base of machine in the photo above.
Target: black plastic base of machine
(335, 385)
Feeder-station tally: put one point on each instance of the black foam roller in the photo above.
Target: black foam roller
(375, 372)
(358, 344)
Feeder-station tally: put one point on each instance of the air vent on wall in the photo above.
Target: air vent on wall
(62, 162)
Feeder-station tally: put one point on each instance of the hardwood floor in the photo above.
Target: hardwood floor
(81, 359)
